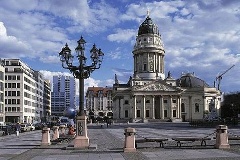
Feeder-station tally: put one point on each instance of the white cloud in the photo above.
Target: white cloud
(122, 35)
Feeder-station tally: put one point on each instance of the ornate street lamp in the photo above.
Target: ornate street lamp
(81, 71)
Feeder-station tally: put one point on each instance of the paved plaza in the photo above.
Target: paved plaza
(110, 143)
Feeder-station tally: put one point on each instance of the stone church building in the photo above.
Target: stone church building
(150, 95)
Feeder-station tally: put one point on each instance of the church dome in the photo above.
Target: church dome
(190, 81)
(148, 27)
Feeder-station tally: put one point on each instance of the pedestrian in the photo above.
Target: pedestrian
(18, 127)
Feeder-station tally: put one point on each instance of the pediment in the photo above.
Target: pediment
(156, 86)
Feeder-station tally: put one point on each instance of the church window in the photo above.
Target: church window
(174, 113)
(126, 113)
(147, 101)
(197, 108)
(182, 107)
(138, 113)
(147, 113)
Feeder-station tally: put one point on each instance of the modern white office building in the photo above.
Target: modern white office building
(23, 92)
(46, 101)
(63, 95)
(2, 82)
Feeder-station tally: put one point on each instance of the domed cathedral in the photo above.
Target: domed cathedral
(149, 96)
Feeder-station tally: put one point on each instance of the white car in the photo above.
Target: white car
(27, 127)
(32, 127)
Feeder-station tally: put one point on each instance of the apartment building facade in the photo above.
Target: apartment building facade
(2, 81)
(23, 92)
(99, 102)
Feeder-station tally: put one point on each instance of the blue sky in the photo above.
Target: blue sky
(199, 36)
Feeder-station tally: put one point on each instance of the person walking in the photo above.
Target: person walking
(18, 127)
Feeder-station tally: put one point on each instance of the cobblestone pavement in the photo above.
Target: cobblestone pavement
(110, 142)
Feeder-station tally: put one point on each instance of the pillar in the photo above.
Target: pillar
(129, 144)
(144, 108)
(55, 132)
(221, 137)
(134, 107)
(161, 107)
(45, 136)
(153, 107)
(171, 112)
(81, 140)
(62, 130)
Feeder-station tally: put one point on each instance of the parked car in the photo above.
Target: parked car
(7, 129)
(32, 127)
(38, 126)
(25, 127)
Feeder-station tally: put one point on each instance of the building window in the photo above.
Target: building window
(147, 101)
(126, 113)
(182, 107)
(174, 101)
(174, 113)
(165, 101)
(126, 102)
(138, 101)
(197, 108)
(147, 113)
(138, 113)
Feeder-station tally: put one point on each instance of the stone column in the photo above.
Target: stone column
(179, 107)
(153, 107)
(171, 113)
(45, 136)
(62, 130)
(81, 140)
(144, 108)
(134, 107)
(55, 132)
(221, 137)
(129, 144)
(161, 107)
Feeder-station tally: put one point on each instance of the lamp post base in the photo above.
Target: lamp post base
(81, 140)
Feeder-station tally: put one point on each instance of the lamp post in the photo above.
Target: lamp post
(81, 71)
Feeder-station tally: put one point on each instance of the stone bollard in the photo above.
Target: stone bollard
(222, 137)
(45, 136)
(55, 132)
(62, 130)
(129, 144)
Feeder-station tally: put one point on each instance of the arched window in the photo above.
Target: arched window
(197, 109)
